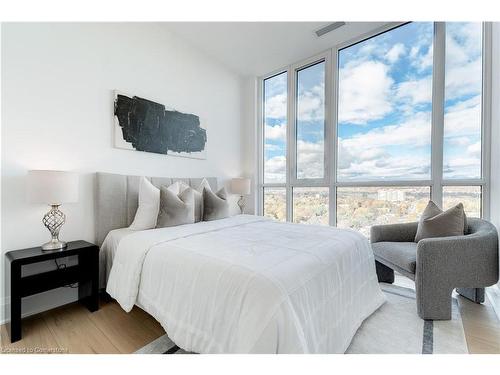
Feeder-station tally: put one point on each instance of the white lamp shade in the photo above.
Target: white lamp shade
(52, 187)
(240, 186)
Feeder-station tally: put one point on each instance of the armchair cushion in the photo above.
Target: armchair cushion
(400, 254)
(435, 222)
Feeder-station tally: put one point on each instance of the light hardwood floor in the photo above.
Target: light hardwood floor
(73, 329)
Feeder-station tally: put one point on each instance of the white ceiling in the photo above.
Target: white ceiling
(257, 48)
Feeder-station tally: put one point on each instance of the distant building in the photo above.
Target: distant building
(391, 195)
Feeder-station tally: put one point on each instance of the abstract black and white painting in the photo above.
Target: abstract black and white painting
(144, 125)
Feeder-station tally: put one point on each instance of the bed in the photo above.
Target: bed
(244, 284)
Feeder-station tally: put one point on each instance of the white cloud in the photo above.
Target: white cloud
(459, 141)
(276, 106)
(463, 119)
(462, 167)
(474, 150)
(364, 92)
(275, 169)
(414, 51)
(463, 59)
(463, 42)
(277, 132)
(366, 156)
(414, 132)
(310, 159)
(462, 125)
(389, 167)
(421, 53)
(368, 49)
(424, 61)
(463, 79)
(372, 154)
(416, 91)
(395, 52)
(311, 104)
(271, 147)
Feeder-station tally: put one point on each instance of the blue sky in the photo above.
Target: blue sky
(385, 89)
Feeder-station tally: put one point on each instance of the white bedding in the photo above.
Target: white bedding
(247, 284)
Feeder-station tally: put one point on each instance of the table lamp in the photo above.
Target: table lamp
(53, 188)
(241, 186)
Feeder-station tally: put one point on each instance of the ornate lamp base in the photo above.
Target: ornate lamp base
(241, 203)
(53, 221)
(54, 245)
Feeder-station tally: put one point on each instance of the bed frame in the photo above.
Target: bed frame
(117, 199)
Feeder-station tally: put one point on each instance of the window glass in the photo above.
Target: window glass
(310, 205)
(463, 85)
(311, 121)
(384, 106)
(361, 207)
(469, 196)
(275, 203)
(275, 120)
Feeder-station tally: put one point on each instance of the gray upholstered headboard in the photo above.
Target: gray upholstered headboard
(117, 198)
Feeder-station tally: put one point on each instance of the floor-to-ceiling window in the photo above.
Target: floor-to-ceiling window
(275, 145)
(384, 127)
(463, 146)
(368, 132)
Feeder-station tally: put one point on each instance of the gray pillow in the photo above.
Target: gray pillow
(215, 205)
(198, 198)
(198, 205)
(175, 209)
(435, 222)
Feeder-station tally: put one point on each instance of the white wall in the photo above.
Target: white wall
(57, 82)
(495, 130)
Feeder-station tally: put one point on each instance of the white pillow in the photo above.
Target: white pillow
(178, 187)
(204, 184)
(149, 205)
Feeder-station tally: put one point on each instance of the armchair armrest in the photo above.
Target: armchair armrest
(459, 261)
(445, 263)
(404, 232)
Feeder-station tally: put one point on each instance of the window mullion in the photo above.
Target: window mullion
(291, 143)
(333, 141)
(486, 118)
(438, 87)
(260, 147)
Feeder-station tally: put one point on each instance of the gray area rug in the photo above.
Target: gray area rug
(395, 328)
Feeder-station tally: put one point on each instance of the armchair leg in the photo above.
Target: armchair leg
(434, 303)
(474, 294)
(384, 273)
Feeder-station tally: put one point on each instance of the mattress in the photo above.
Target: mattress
(247, 284)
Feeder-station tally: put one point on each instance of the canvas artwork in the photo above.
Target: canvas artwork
(144, 125)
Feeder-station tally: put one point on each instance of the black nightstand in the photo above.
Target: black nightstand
(85, 273)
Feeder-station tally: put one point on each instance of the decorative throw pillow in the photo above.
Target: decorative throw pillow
(177, 187)
(175, 209)
(435, 222)
(215, 205)
(198, 197)
(149, 203)
(198, 200)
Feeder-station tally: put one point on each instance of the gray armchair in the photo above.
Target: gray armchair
(438, 265)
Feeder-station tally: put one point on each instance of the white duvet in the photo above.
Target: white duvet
(248, 285)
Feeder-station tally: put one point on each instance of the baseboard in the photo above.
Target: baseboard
(493, 293)
(42, 302)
